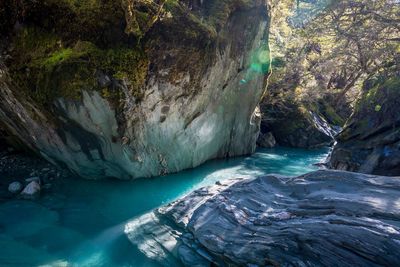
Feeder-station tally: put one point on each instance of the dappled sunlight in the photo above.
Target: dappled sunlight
(378, 203)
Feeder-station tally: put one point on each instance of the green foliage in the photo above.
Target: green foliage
(331, 115)
(328, 49)
(171, 5)
(377, 107)
(380, 92)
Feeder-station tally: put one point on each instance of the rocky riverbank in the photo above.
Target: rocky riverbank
(22, 171)
(324, 218)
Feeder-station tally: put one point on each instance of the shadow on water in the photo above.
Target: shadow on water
(81, 222)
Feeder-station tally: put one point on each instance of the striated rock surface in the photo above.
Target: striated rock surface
(324, 218)
(152, 87)
(370, 141)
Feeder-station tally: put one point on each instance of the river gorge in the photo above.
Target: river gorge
(199, 133)
(81, 223)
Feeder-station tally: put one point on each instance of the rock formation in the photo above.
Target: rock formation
(324, 218)
(370, 141)
(294, 125)
(266, 140)
(132, 89)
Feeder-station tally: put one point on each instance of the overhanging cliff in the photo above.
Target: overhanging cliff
(132, 89)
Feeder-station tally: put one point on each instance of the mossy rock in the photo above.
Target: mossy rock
(60, 45)
(45, 68)
(378, 107)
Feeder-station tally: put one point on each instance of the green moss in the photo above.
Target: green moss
(392, 85)
(141, 15)
(98, 21)
(378, 106)
(171, 5)
(332, 116)
(45, 69)
(380, 90)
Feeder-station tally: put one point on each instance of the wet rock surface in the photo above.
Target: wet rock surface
(370, 141)
(324, 218)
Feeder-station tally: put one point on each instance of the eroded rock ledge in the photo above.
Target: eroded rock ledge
(324, 218)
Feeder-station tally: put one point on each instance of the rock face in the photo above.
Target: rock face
(266, 140)
(154, 87)
(324, 218)
(296, 126)
(370, 142)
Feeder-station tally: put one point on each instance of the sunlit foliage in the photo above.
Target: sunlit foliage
(327, 49)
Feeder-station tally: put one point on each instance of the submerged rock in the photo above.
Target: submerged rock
(152, 88)
(324, 218)
(31, 191)
(370, 141)
(15, 187)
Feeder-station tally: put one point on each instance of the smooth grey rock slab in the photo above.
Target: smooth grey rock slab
(324, 218)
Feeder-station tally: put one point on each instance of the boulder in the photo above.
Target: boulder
(31, 191)
(15, 187)
(324, 218)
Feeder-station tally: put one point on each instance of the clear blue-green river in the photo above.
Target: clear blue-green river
(80, 222)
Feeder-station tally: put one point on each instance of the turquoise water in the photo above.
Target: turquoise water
(80, 223)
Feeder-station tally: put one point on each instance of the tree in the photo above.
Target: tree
(328, 48)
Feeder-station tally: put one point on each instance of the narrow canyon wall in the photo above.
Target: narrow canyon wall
(370, 141)
(130, 89)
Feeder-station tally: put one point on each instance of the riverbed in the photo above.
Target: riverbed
(81, 222)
